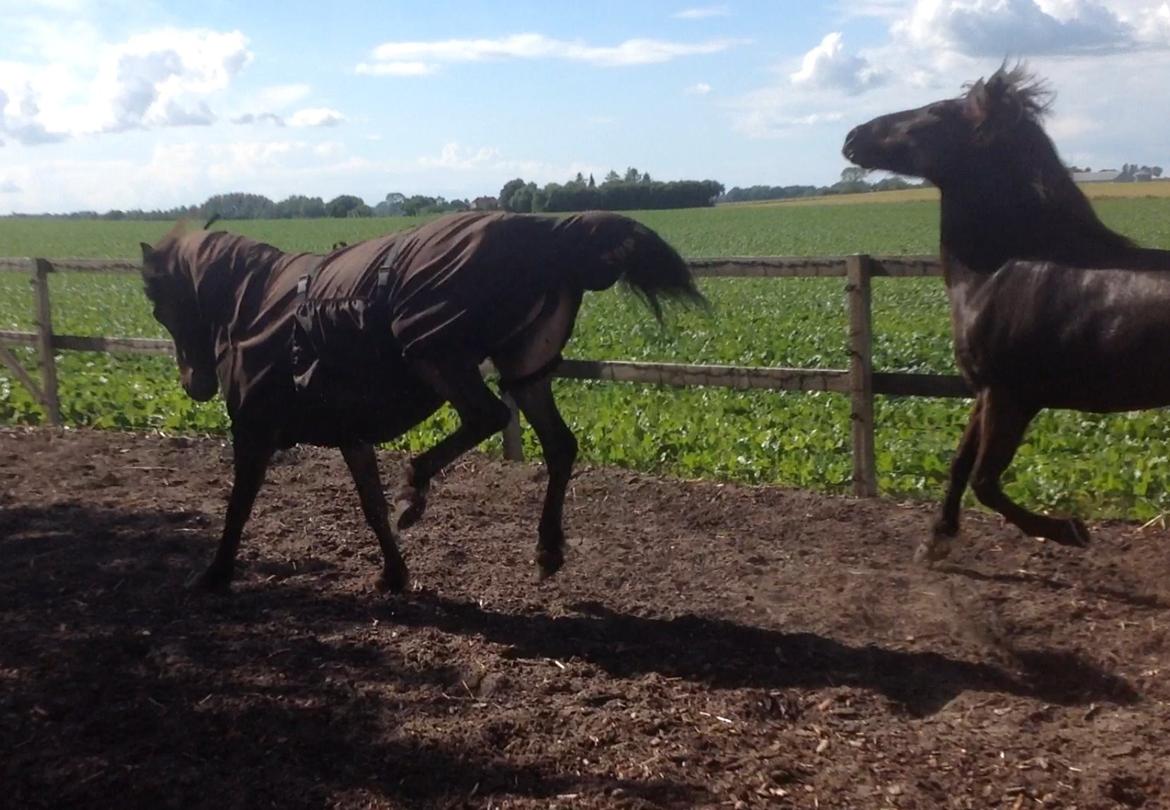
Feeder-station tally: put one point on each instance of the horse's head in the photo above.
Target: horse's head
(955, 138)
(170, 286)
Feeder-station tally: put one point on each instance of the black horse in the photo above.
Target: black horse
(358, 346)
(1049, 307)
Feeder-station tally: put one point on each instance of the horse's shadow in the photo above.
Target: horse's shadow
(1134, 599)
(131, 687)
(204, 684)
(715, 652)
(724, 654)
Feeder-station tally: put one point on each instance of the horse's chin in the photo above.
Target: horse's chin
(201, 389)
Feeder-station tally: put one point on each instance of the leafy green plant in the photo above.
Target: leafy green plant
(1101, 465)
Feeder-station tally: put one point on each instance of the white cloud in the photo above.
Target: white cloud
(999, 28)
(165, 77)
(830, 66)
(455, 156)
(828, 81)
(259, 118)
(877, 9)
(701, 13)
(699, 89)
(774, 120)
(316, 117)
(420, 58)
(1153, 25)
(19, 120)
(490, 163)
(262, 106)
(1066, 126)
(396, 68)
(278, 96)
(9, 187)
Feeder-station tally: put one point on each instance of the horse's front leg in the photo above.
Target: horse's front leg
(946, 526)
(363, 466)
(250, 460)
(481, 413)
(560, 451)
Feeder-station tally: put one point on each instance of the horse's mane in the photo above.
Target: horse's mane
(1030, 93)
(1013, 103)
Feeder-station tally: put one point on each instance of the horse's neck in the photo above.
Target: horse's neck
(986, 223)
(977, 239)
(243, 263)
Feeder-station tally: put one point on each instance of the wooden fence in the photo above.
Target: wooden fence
(859, 382)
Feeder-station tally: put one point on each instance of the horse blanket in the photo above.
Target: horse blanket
(329, 338)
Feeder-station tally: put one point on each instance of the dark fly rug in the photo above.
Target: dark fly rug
(1050, 308)
(359, 345)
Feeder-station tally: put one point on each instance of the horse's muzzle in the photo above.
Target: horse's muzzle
(200, 387)
(854, 144)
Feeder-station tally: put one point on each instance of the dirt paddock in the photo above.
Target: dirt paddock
(705, 646)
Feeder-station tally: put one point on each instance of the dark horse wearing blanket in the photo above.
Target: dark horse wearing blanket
(358, 346)
(1050, 308)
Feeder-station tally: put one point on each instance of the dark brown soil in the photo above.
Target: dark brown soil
(705, 646)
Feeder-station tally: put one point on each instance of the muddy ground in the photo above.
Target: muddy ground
(705, 646)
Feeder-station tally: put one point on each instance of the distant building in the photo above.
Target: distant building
(1107, 176)
(485, 204)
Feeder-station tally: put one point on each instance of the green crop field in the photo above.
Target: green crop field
(1097, 465)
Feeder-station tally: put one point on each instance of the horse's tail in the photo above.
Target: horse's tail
(612, 248)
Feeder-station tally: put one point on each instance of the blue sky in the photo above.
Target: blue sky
(141, 105)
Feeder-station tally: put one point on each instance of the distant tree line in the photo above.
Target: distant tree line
(852, 182)
(633, 190)
(240, 205)
(1129, 171)
(1132, 171)
(616, 192)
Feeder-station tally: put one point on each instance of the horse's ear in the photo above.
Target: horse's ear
(147, 252)
(992, 105)
(976, 104)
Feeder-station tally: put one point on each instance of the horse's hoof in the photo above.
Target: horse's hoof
(211, 580)
(409, 510)
(1075, 533)
(549, 561)
(938, 547)
(393, 581)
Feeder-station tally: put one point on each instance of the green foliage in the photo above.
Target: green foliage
(634, 191)
(1091, 464)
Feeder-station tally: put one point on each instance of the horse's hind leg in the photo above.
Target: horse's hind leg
(363, 466)
(946, 526)
(250, 460)
(535, 399)
(481, 413)
(1001, 429)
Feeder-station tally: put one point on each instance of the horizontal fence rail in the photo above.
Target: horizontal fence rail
(860, 382)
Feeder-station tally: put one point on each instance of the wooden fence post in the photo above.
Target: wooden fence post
(513, 446)
(44, 319)
(858, 297)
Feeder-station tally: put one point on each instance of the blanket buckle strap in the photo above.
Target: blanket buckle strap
(305, 281)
